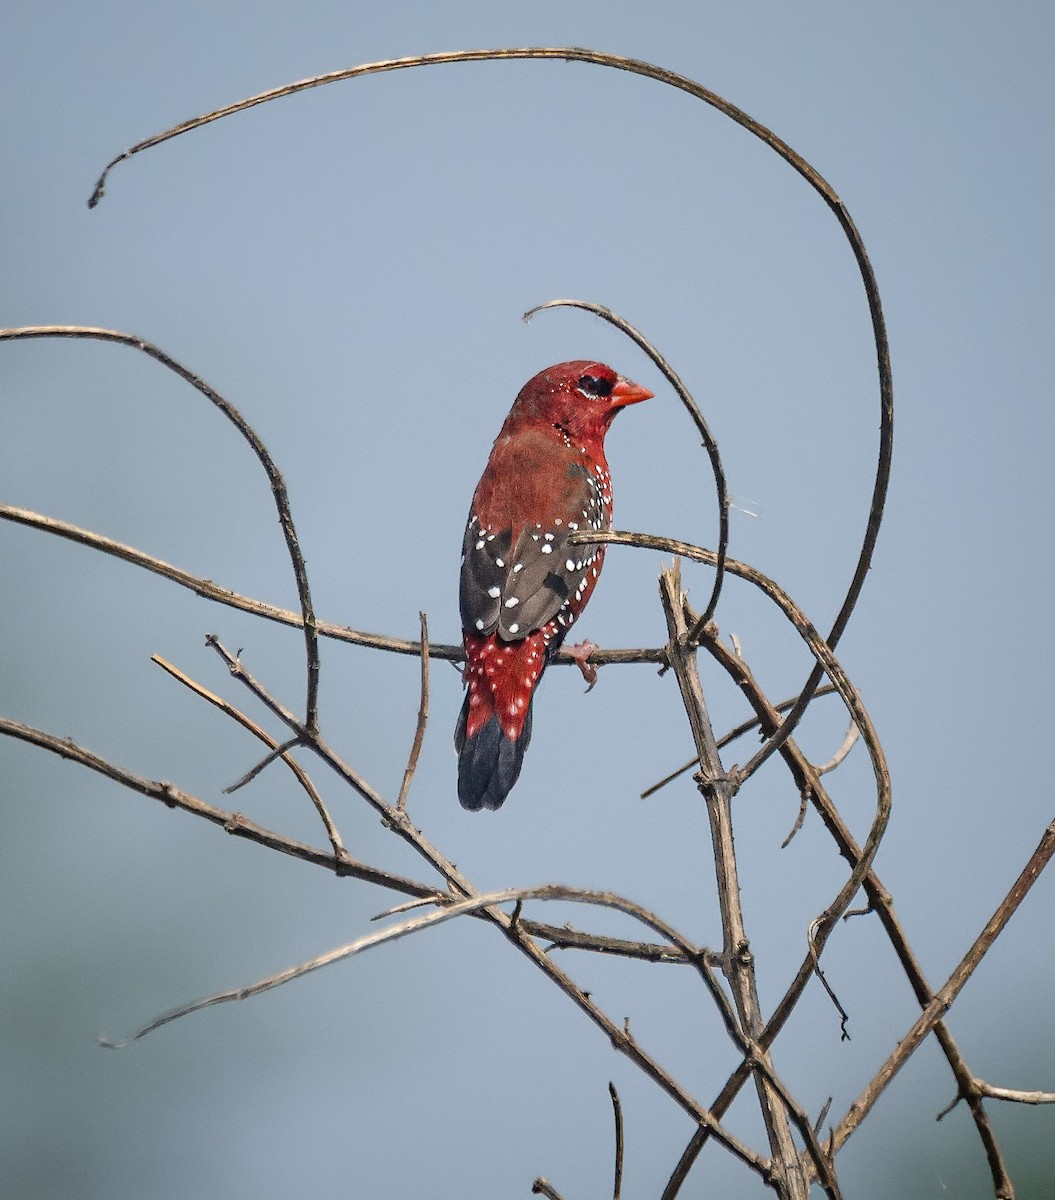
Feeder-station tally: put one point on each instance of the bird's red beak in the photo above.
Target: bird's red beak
(626, 391)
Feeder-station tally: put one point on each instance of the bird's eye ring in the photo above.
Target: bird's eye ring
(591, 385)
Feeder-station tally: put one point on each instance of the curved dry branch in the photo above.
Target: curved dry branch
(547, 892)
(447, 910)
(756, 128)
(843, 749)
(423, 716)
(617, 1113)
(693, 409)
(717, 782)
(274, 476)
(827, 663)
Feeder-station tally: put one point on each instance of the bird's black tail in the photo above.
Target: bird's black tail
(488, 762)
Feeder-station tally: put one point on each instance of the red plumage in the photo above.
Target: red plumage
(523, 583)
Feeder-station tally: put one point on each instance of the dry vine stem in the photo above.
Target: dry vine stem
(789, 1170)
(661, 75)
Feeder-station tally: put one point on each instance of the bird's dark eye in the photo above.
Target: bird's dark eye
(591, 385)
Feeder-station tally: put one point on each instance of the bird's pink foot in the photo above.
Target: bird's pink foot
(580, 652)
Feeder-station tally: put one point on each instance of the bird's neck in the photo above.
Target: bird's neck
(587, 444)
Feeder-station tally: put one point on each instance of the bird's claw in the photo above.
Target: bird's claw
(580, 652)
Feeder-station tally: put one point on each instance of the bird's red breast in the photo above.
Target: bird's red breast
(523, 582)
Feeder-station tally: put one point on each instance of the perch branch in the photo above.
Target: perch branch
(283, 616)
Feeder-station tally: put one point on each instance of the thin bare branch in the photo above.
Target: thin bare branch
(391, 934)
(845, 746)
(617, 1113)
(277, 750)
(258, 768)
(731, 736)
(274, 476)
(800, 819)
(410, 906)
(367, 942)
(816, 944)
(232, 822)
(423, 716)
(1014, 1095)
(561, 937)
(944, 997)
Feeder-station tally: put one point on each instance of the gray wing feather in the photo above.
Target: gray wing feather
(519, 590)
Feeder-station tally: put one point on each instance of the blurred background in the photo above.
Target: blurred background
(349, 267)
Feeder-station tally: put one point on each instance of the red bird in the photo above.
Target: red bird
(523, 583)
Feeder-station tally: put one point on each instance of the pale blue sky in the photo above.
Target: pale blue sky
(349, 267)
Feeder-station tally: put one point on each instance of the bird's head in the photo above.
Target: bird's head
(578, 398)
